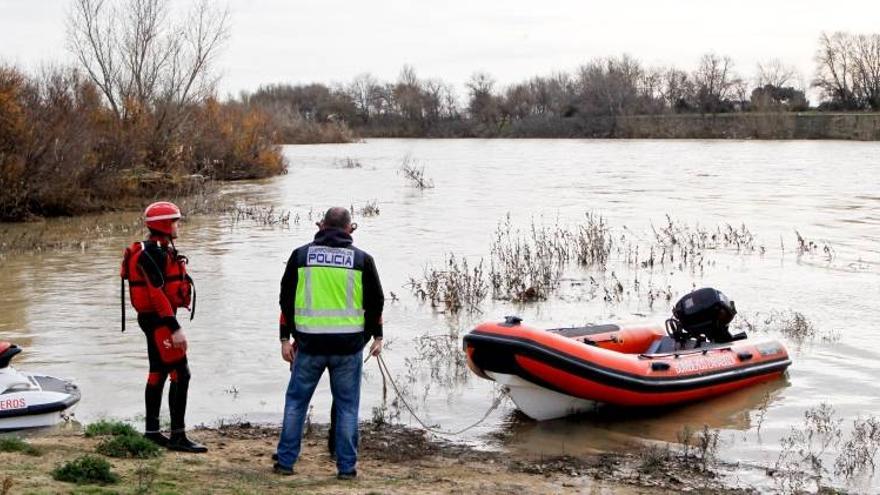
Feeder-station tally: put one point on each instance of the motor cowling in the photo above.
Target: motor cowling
(705, 314)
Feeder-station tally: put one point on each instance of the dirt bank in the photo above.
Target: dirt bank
(393, 460)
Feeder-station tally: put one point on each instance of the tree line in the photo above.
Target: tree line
(847, 75)
(136, 117)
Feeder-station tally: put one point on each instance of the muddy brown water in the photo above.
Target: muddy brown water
(63, 306)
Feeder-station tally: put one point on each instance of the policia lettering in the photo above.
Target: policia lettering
(329, 298)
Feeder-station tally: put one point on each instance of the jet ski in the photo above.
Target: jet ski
(29, 400)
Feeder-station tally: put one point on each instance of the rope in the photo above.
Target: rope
(386, 374)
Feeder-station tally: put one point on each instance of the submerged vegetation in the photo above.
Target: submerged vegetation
(262, 215)
(814, 450)
(454, 287)
(532, 265)
(794, 325)
(694, 451)
(414, 173)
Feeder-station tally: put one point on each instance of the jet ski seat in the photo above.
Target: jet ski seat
(7, 352)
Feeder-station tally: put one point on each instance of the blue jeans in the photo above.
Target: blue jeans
(345, 384)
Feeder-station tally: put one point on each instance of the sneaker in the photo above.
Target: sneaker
(347, 476)
(180, 443)
(283, 471)
(157, 438)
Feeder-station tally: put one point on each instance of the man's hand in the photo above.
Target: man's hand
(376, 346)
(287, 351)
(178, 340)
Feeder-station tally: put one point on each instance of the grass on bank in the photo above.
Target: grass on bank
(134, 446)
(104, 427)
(86, 469)
(120, 439)
(15, 444)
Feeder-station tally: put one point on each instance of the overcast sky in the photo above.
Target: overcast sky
(332, 41)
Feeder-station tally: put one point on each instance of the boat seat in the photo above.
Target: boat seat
(666, 345)
(663, 345)
(6, 354)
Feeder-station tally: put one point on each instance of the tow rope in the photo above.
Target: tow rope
(386, 376)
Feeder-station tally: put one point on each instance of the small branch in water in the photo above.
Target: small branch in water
(415, 173)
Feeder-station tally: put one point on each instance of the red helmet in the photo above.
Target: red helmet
(160, 215)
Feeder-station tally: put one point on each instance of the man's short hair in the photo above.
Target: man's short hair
(337, 218)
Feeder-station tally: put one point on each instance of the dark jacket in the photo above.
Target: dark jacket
(374, 299)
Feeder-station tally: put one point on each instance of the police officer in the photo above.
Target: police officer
(158, 286)
(331, 304)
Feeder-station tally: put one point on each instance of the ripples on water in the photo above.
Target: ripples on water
(63, 306)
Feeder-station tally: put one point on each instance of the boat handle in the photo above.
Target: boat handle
(659, 366)
(744, 356)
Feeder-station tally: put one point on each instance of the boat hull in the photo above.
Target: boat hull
(538, 402)
(47, 402)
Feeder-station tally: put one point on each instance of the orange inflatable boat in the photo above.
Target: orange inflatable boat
(557, 372)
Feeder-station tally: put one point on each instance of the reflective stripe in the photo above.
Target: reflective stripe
(308, 288)
(168, 216)
(349, 290)
(328, 312)
(324, 329)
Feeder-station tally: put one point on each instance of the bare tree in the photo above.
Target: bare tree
(678, 90)
(553, 95)
(518, 101)
(866, 69)
(834, 69)
(408, 95)
(436, 96)
(483, 105)
(715, 82)
(610, 86)
(142, 61)
(362, 92)
(775, 73)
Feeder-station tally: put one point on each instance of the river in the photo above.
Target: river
(63, 305)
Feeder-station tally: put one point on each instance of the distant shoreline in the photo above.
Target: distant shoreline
(847, 126)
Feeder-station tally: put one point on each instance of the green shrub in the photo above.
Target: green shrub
(115, 428)
(86, 469)
(128, 446)
(15, 444)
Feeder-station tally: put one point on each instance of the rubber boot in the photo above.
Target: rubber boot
(157, 437)
(181, 443)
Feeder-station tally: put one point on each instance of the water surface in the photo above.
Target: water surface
(63, 306)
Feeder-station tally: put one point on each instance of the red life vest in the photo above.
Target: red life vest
(177, 286)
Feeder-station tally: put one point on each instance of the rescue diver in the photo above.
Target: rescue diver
(158, 286)
(331, 304)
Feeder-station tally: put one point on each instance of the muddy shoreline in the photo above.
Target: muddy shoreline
(393, 459)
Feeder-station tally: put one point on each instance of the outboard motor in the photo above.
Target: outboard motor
(704, 314)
